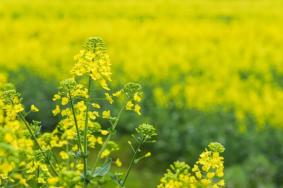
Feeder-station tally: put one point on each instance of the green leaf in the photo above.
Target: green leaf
(103, 170)
(117, 179)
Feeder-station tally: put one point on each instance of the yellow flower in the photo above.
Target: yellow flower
(56, 97)
(129, 105)
(95, 105)
(137, 97)
(18, 108)
(52, 180)
(104, 84)
(99, 140)
(210, 175)
(40, 180)
(80, 166)
(56, 111)
(65, 101)
(6, 167)
(91, 141)
(44, 168)
(21, 179)
(118, 162)
(109, 98)
(64, 155)
(105, 153)
(81, 106)
(137, 109)
(104, 132)
(92, 115)
(221, 183)
(117, 93)
(106, 114)
(75, 148)
(198, 175)
(33, 108)
(8, 137)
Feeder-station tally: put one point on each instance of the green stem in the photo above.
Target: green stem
(108, 137)
(132, 162)
(37, 143)
(85, 133)
(68, 160)
(76, 123)
(37, 176)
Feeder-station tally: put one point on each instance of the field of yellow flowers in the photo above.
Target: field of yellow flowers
(210, 70)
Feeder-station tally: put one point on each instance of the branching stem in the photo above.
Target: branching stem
(108, 138)
(76, 123)
(136, 151)
(37, 144)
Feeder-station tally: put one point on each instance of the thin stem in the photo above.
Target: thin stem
(37, 176)
(76, 123)
(68, 160)
(114, 125)
(53, 154)
(132, 162)
(85, 133)
(37, 143)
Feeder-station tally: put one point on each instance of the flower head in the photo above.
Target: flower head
(146, 131)
(93, 61)
(216, 147)
(33, 108)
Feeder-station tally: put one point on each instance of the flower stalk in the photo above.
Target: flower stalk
(109, 136)
(76, 123)
(85, 156)
(37, 144)
(136, 151)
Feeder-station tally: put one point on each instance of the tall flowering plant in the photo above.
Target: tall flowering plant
(77, 153)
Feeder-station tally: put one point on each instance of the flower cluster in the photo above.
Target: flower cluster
(94, 61)
(16, 147)
(208, 171)
(146, 132)
(60, 158)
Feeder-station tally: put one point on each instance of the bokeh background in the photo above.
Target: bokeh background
(212, 70)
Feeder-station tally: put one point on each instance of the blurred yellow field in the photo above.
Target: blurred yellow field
(228, 55)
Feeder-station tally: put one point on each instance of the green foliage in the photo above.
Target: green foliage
(256, 171)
